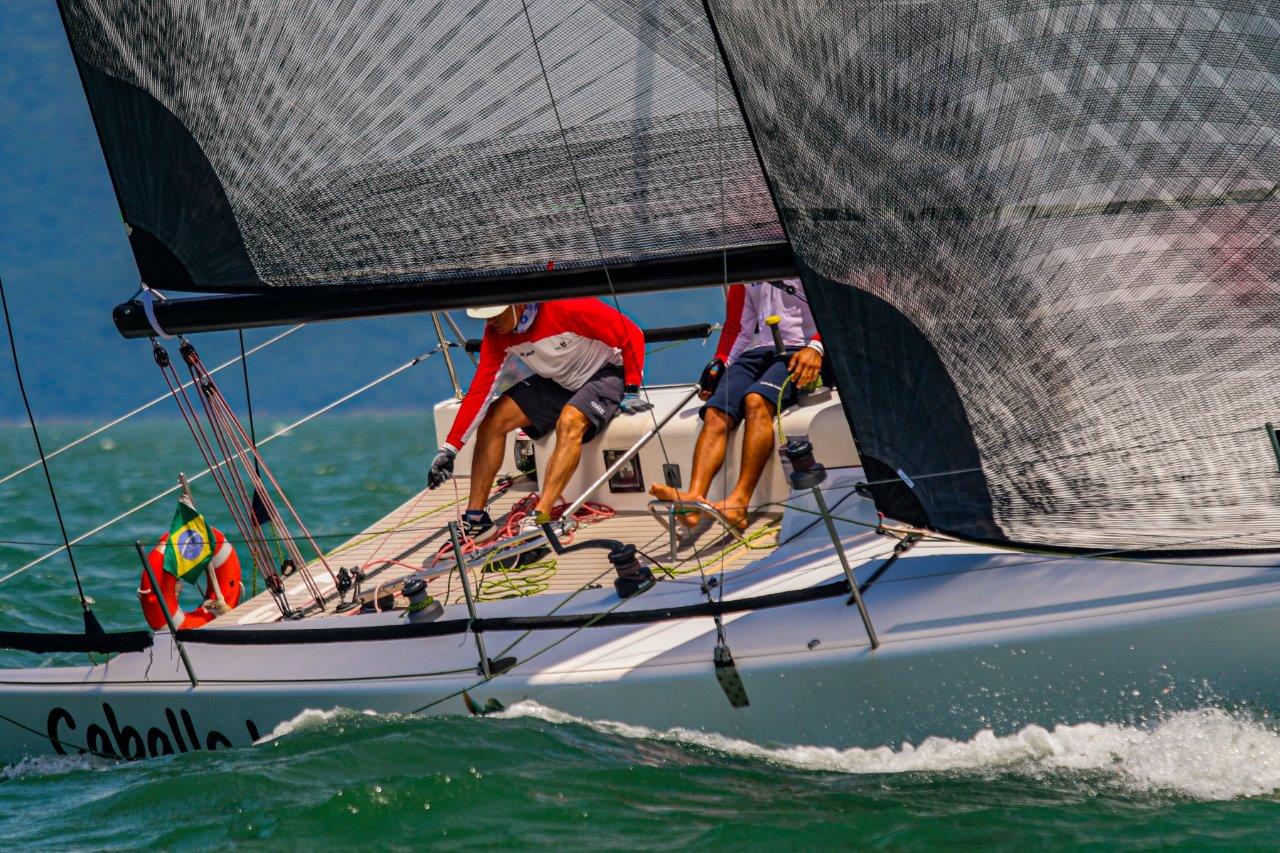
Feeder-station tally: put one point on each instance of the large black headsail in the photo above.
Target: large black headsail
(276, 143)
(1040, 239)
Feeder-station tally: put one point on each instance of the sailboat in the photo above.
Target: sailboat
(1039, 243)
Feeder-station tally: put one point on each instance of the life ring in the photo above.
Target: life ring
(224, 569)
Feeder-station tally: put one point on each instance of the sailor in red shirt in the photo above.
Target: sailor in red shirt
(566, 366)
(748, 380)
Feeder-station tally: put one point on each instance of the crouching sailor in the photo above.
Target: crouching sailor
(566, 366)
(748, 380)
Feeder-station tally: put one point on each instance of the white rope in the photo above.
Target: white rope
(283, 430)
(149, 308)
(100, 430)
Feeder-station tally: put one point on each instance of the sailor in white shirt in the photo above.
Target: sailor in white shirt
(748, 381)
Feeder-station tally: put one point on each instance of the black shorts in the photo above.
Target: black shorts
(542, 399)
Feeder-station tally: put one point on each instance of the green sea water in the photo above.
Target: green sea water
(334, 778)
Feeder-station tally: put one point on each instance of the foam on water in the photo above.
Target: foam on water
(1207, 754)
(311, 718)
(54, 765)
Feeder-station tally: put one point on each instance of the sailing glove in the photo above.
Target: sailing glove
(441, 468)
(710, 377)
(632, 403)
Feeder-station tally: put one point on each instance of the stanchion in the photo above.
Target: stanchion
(168, 617)
(448, 359)
(808, 473)
(844, 564)
(466, 593)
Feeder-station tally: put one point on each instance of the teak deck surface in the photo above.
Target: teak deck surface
(409, 537)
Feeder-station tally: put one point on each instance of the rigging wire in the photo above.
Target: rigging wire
(140, 409)
(586, 210)
(1223, 89)
(208, 452)
(548, 647)
(337, 534)
(599, 248)
(248, 400)
(90, 621)
(225, 423)
(1048, 556)
(1023, 464)
(253, 432)
(724, 284)
(172, 489)
(460, 338)
(481, 681)
(596, 237)
(611, 288)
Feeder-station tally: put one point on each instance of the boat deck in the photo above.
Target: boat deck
(409, 540)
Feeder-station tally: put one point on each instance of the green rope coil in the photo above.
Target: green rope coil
(498, 582)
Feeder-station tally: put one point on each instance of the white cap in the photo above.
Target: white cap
(486, 312)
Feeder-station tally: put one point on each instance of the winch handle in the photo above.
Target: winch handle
(772, 322)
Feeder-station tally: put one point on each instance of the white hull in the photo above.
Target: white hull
(972, 638)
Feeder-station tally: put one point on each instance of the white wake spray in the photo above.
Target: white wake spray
(54, 765)
(311, 718)
(1206, 754)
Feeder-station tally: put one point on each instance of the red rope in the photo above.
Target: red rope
(588, 513)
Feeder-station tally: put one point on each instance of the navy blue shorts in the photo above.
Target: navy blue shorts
(757, 371)
(542, 399)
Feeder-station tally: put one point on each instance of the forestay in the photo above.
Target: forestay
(1040, 240)
(265, 143)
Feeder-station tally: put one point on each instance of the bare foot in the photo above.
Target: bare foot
(688, 517)
(734, 512)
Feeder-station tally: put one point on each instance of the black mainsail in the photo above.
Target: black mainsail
(264, 145)
(1041, 242)
(1039, 236)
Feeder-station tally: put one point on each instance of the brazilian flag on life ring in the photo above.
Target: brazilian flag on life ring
(190, 547)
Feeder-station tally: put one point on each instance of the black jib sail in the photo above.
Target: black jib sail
(1040, 239)
(260, 144)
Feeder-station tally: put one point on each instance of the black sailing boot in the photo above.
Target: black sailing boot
(475, 522)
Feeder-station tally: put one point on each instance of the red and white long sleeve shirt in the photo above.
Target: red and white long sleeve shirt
(749, 305)
(568, 341)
